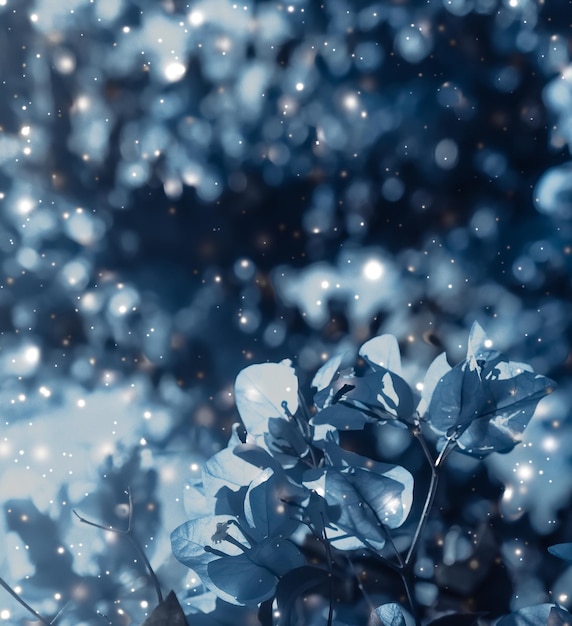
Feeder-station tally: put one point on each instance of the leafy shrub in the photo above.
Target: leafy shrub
(286, 509)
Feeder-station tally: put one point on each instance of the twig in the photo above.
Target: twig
(128, 533)
(330, 571)
(9, 589)
(57, 615)
(407, 580)
(360, 585)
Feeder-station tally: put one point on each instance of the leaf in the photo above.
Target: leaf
(323, 377)
(562, 551)
(383, 351)
(338, 457)
(268, 504)
(485, 402)
(235, 467)
(476, 346)
(278, 556)
(343, 417)
(361, 502)
(559, 617)
(284, 437)
(188, 541)
(292, 586)
(240, 581)
(374, 397)
(500, 426)
(537, 615)
(256, 457)
(387, 615)
(167, 613)
(251, 577)
(259, 392)
(196, 502)
(435, 372)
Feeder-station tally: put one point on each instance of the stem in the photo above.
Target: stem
(128, 533)
(305, 437)
(424, 516)
(100, 614)
(330, 573)
(57, 616)
(9, 589)
(371, 605)
(447, 448)
(407, 573)
(406, 578)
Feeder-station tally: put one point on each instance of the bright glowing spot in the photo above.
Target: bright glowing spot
(25, 131)
(194, 467)
(373, 270)
(488, 343)
(174, 72)
(5, 614)
(81, 403)
(508, 493)
(562, 597)
(196, 18)
(324, 284)
(524, 472)
(299, 86)
(24, 206)
(419, 386)
(40, 453)
(223, 44)
(549, 444)
(351, 102)
(32, 355)
(82, 103)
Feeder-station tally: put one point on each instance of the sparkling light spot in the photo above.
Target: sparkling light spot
(174, 72)
(196, 18)
(32, 355)
(373, 270)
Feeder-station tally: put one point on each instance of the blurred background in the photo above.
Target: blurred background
(190, 187)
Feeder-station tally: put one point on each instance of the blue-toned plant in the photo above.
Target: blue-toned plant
(285, 477)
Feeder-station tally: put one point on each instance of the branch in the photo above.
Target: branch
(9, 589)
(128, 533)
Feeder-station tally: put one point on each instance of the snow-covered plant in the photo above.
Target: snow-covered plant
(287, 509)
